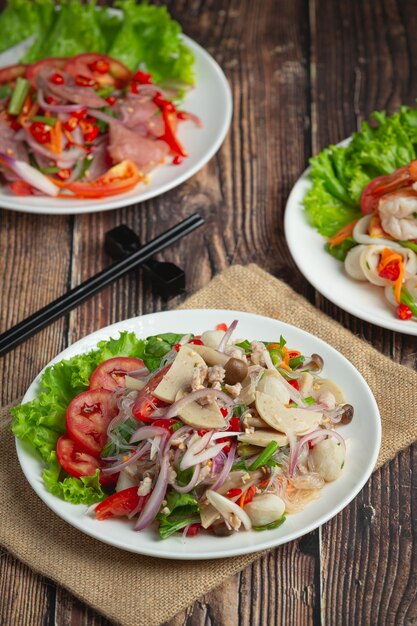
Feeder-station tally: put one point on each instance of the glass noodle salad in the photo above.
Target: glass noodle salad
(185, 433)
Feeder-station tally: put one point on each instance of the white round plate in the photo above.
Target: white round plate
(327, 274)
(363, 436)
(210, 100)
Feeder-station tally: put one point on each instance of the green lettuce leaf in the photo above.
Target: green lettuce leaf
(23, 18)
(157, 347)
(85, 490)
(184, 510)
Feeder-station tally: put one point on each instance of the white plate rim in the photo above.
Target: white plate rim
(29, 461)
(147, 192)
(299, 234)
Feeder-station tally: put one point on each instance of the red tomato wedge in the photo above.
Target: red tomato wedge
(118, 179)
(111, 374)
(120, 503)
(88, 417)
(53, 62)
(11, 72)
(145, 403)
(74, 460)
(99, 67)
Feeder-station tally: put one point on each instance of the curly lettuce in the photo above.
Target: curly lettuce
(340, 173)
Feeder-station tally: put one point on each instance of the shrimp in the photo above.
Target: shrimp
(398, 213)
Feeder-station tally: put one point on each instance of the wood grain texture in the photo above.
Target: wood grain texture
(303, 74)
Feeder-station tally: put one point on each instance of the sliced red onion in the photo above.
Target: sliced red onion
(218, 463)
(156, 446)
(138, 455)
(193, 118)
(152, 506)
(57, 108)
(30, 175)
(139, 373)
(177, 433)
(227, 336)
(196, 395)
(68, 158)
(320, 432)
(225, 506)
(104, 117)
(226, 433)
(226, 468)
(146, 432)
(190, 486)
(137, 508)
(145, 90)
(189, 459)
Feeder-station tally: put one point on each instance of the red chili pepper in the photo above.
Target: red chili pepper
(110, 100)
(181, 115)
(193, 530)
(135, 88)
(90, 131)
(169, 137)
(165, 423)
(294, 383)
(51, 100)
(85, 81)
(201, 433)
(14, 124)
(196, 342)
(80, 115)
(249, 495)
(233, 493)
(71, 123)
(224, 411)
(226, 448)
(57, 79)
(177, 160)
(101, 66)
(176, 347)
(142, 77)
(234, 425)
(404, 312)
(390, 271)
(40, 132)
(64, 174)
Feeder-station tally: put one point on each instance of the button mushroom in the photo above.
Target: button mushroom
(235, 371)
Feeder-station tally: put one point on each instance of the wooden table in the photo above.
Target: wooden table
(303, 75)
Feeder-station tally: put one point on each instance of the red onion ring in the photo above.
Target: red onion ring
(189, 459)
(320, 432)
(152, 506)
(57, 108)
(138, 454)
(146, 432)
(226, 468)
(227, 335)
(30, 175)
(196, 395)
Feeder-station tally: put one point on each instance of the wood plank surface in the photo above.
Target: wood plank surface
(303, 74)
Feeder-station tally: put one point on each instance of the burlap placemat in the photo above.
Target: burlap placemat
(134, 590)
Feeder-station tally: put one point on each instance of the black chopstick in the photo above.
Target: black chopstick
(35, 322)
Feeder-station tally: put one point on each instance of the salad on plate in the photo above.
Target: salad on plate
(83, 116)
(363, 200)
(186, 433)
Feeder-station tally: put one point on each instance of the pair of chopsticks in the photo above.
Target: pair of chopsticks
(34, 323)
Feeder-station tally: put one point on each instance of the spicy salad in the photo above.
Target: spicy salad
(187, 433)
(75, 122)
(363, 200)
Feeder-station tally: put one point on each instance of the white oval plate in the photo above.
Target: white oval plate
(363, 439)
(211, 101)
(327, 274)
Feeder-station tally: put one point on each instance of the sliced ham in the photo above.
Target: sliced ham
(144, 152)
(142, 114)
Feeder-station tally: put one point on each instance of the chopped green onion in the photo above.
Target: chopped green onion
(407, 298)
(18, 96)
(409, 244)
(271, 525)
(309, 401)
(50, 170)
(51, 121)
(296, 361)
(5, 91)
(270, 449)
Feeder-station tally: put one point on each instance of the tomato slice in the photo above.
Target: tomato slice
(87, 419)
(74, 460)
(21, 188)
(118, 179)
(111, 374)
(145, 403)
(11, 72)
(92, 64)
(53, 62)
(119, 504)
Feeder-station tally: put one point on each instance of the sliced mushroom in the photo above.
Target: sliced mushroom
(263, 437)
(289, 421)
(323, 385)
(200, 417)
(179, 375)
(134, 383)
(210, 355)
(253, 421)
(271, 383)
